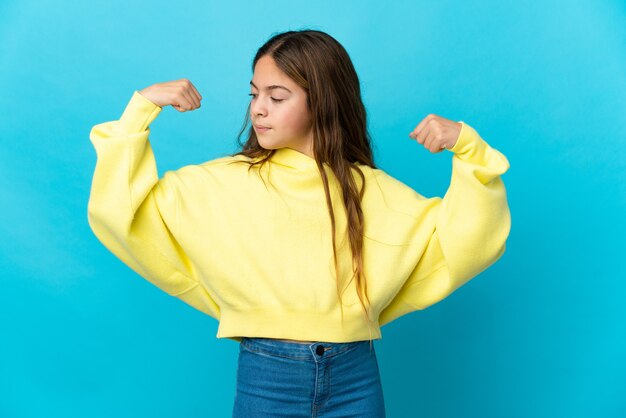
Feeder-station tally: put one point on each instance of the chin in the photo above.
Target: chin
(269, 145)
(262, 143)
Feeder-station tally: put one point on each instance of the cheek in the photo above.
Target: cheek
(296, 119)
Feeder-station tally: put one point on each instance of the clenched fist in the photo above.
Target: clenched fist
(181, 94)
(436, 133)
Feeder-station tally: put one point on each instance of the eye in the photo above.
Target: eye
(275, 100)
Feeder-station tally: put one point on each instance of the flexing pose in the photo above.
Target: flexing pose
(298, 244)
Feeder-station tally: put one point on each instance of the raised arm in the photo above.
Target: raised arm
(134, 213)
(472, 224)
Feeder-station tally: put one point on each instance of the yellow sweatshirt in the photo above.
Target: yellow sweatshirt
(255, 253)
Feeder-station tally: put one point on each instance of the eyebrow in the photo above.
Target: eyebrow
(272, 87)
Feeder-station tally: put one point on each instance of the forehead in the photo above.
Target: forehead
(267, 76)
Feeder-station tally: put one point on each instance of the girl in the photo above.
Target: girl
(305, 272)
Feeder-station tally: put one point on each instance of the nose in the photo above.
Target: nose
(257, 108)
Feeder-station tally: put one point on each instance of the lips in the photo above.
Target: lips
(261, 127)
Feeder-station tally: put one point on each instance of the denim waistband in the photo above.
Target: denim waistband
(298, 351)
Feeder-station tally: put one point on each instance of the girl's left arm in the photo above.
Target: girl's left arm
(472, 224)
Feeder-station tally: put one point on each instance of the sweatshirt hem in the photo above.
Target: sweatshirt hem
(298, 325)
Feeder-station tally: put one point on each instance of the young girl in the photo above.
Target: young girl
(298, 244)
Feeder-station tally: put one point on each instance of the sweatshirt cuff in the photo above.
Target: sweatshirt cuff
(462, 140)
(471, 147)
(469, 142)
(139, 113)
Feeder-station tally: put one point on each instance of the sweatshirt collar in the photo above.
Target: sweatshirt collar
(291, 158)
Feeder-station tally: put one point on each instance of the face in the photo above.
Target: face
(278, 103)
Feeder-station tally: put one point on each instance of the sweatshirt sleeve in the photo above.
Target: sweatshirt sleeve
(472, 223)
(134, 213)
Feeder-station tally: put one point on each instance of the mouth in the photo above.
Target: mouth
(261, 127)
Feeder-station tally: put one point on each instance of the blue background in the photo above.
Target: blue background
(539, 334)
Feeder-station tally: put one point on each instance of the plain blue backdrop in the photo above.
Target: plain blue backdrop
(539, 334)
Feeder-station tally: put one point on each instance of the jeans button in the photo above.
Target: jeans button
(319, 350)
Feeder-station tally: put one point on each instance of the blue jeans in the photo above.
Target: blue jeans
(322, 379)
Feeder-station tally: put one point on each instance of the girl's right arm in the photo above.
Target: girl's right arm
(133, 212)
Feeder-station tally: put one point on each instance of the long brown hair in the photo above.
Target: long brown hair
(321, 66)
